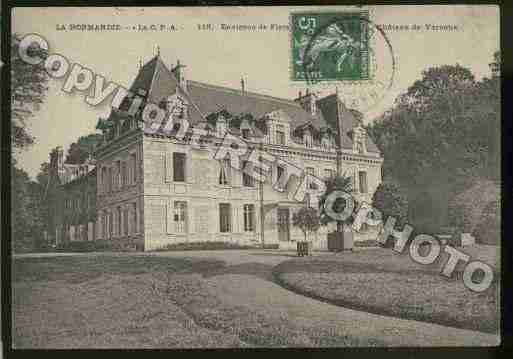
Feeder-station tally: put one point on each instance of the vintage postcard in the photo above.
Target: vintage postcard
(227, 177)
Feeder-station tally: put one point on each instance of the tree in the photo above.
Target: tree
(80, 150)
(420, 133)
(307, 219)
(28, 90)
(390, 200)
(337, 183)
(26, 212)
(441, 136)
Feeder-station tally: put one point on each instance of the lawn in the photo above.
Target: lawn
(104, 301)
(147, 301)
(383, 282)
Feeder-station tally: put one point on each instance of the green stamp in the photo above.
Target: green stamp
(330, 46)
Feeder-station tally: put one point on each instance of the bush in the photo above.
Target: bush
(307, 219)
(202, 246)
(367, 243)
(95, 246)
(488, 231)
(391, 201)
(467, 208)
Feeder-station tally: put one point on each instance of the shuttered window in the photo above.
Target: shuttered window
(133, 165)
(362, 176)
(119, 221)
(225, 214)
(224, 172)
(135, 218)
(180, 217)
(125, 221)
(249, 217)
(247, 180)
(179, 167)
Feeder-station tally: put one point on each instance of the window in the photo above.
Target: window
(359, 146)
(280, 137)
(249, 217)
(111, 224)
(103, 180)
(180, 217)
(309, 179)
(308, 139)
(133, 161)
(245, 133)
(124, 175)
(88, 201)
(119, 221)
(362, 176)
(224, 172)
(104, 225)
(110, 179)
(118, 174)
(328, 173)
(225, 214)
(134, 221)
(247, 180)
(125, 126)
(178, 167)
(221, 127)
(326, 141)
(279, 172)
(125, 222)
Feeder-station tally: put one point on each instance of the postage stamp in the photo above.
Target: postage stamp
(329, 46)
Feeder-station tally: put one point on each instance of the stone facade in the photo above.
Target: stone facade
(120, 184)
(203, 194)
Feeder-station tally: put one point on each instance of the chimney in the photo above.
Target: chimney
(180, 74)
(242, 84)
(308, 102)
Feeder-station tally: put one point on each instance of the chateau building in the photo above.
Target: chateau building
(156, 187)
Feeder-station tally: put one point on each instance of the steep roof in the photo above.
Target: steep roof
(210, 98)
(156, 79)
(159, 82)
(331, 107)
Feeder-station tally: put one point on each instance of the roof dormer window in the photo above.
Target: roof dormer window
(307, 138)
(359, 137)
(280, 135)
(221, 126)
(326, 141)
(359, 146)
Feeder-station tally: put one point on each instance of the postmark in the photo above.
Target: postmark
(330, 46)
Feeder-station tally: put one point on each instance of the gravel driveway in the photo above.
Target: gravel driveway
(247, 280)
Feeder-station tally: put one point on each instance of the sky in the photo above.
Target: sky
(222, 57)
